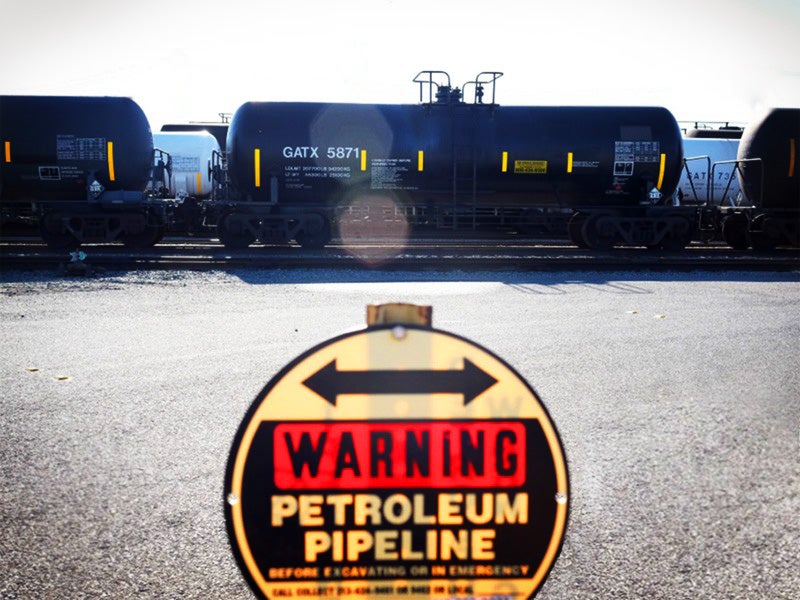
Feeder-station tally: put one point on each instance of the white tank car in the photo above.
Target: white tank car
(191, 153)
(693, 185)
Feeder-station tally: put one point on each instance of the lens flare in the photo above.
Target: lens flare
(373, 227)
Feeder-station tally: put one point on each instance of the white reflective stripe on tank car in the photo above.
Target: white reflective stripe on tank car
(8, 151)
(661, 171)
(111, 175)
(257, 166)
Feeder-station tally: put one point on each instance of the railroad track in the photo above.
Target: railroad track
(475, 254)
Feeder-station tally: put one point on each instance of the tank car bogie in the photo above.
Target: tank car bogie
(66, 227)
(734, 228)
(657, 228)
(772, 228)
(239, 227)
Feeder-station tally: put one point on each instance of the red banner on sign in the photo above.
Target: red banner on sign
(399, 454)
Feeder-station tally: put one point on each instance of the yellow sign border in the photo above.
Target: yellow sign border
(376, 348)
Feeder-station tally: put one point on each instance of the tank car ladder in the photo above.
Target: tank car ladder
(462, 210)
(464, 188)
(466, 120)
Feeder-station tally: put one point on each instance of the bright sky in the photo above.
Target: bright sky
(185, 60)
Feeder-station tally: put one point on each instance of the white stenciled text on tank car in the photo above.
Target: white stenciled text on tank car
(706, 162)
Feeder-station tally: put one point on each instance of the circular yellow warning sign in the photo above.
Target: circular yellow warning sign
(396, 462)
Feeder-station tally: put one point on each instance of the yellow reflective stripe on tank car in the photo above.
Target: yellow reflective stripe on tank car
(569, 162)
(363, 159)
(8, 151)
(504, 166)
(111, 175)
(420, 160)
(661, 171)
(792, 155)
(257, 166)
(199, 184)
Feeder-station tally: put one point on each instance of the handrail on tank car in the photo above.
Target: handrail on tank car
(737, 169)
(219, 175)
(160, 168)
(479, 83)
(430, 83)
(708, 175)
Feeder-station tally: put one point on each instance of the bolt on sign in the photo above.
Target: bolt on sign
(399, 461)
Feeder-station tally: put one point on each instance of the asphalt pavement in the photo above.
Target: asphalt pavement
(676, 396)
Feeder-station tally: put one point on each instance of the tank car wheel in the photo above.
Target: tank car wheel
(316, 236)
(152, 233)
(759, 235)
(598, 235)
(55, 235)
(734, 231)
(232, 234)
(575, 229)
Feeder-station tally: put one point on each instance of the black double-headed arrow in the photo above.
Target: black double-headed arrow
(471, 382)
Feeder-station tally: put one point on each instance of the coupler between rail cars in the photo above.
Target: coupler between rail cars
(661, 228)
(238, 228)
(65, 227)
